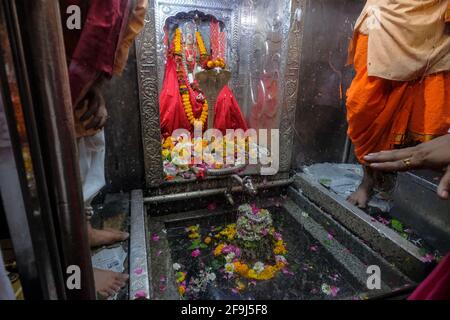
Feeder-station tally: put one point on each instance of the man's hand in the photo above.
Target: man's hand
(433, 155)
(96, 110)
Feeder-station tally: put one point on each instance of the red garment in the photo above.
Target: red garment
(263, 115)
(228, 113)
(92, 52)
(437, 285)
(170, 105)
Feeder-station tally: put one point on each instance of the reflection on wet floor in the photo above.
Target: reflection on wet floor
(343, 179)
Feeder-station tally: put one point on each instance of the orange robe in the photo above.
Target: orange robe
(383, 114)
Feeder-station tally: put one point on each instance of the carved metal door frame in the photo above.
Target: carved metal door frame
(149, 67)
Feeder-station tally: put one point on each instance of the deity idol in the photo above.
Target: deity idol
(183, 104)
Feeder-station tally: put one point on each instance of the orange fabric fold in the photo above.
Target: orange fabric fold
(447, 14)
(383, 114)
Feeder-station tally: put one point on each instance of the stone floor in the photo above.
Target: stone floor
(114, 213)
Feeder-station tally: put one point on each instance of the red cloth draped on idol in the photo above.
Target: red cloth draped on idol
(182, 102)
(190, 68)
(228, 113)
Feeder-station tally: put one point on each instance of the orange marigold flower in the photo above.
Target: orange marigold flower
(279, 250)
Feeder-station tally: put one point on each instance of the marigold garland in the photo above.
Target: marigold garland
(177, 42)
(201, 44)
(243, 269)
(190, 113)
(183, 82)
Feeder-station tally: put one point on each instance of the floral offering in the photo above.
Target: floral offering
(244, 252)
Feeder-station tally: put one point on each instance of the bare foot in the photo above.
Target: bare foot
(361, 196)
(98, 238)
(108, 283)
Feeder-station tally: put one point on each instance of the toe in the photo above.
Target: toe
(122, 277)
(103, 294)
(115, 287)
(124, 236)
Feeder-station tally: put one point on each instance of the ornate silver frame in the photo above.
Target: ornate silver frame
(150, 64)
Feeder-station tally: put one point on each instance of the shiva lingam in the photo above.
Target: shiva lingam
(253, 228)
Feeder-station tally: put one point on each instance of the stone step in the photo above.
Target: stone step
(417, 205)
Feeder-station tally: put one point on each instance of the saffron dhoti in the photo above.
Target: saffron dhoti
(383, 113)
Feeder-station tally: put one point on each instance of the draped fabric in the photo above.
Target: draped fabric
(408, 39)
(100, 49)
(447, 13)
(130, 31)
(228, 114)
(437, 285)
(382, 113)
(263, 114)
(95, 49)
(218, 41)
(214, 35)
(172, 112)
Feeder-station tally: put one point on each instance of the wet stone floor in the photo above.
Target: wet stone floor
(307, 272)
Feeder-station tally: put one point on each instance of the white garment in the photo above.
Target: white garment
(91, 151)
(6, 290)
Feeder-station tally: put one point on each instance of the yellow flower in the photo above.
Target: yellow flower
(168, 144)
(208, 240)
(218, 250)
(193, 228)
(229, 232)
(165, 153)
(252, 274)
(181, 276)
(182, 290)
(201, 43)
(194, 235)
(241, 269)
(240, 286)
(279, 250)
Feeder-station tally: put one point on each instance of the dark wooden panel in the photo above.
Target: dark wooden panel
(320, 117)
(4, 232)
(124, 154)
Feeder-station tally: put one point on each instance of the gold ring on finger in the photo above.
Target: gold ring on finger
(407, 163)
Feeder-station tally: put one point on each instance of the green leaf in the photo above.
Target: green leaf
(325, 182)
(396, 225)
(195, 244)
(216, 264)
